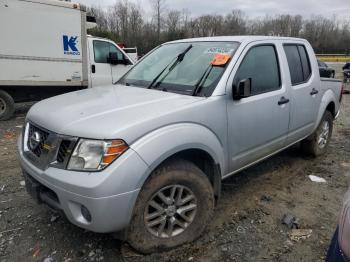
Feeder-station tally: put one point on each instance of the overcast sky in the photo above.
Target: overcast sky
(252, 8)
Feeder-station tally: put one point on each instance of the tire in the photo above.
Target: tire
(7, 106)
(174, 174)
(318, 142)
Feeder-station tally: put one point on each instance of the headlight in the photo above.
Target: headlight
(95, 155)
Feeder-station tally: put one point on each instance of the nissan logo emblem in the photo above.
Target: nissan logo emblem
(34, 140)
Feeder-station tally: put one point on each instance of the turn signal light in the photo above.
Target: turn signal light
(113, 151)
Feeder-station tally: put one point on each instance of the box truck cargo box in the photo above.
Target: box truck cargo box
(45, 51)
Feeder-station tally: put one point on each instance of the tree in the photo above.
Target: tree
(158, 7)
(124, 22)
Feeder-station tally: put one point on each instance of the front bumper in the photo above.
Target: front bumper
(109, 195)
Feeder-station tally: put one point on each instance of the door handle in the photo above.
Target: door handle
(283, 101)
(314, 92)
(93, 69)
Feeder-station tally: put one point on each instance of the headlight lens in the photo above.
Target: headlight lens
(95, 155)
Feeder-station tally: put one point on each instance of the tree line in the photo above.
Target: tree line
(126, 22)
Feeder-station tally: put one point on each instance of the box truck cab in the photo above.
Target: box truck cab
(45, 51)
(107, 62)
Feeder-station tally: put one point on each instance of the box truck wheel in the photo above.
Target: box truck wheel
(7, 106)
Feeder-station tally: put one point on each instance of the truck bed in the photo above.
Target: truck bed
(336, 85)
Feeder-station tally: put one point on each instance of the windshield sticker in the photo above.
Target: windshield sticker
(219, 50)
(220, 59)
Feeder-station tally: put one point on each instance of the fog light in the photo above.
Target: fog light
(86, 213)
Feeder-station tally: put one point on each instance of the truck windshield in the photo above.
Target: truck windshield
(188, 72)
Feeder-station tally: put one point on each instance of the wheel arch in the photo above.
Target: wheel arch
(204, 161)
(190, 142)
(331, 108)
(328, 102)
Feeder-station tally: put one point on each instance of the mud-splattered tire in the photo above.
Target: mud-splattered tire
(7, 106)
(173, 208)
(318, 142)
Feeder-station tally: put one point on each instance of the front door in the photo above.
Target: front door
(100, 69)
(258, 125)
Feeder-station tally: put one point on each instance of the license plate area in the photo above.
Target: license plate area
(33, 188)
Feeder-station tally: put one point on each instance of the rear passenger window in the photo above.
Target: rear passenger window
(261, 65)
(305, 62)
(298, 62)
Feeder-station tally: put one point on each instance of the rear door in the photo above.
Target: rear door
(258, 125)
(304, 91)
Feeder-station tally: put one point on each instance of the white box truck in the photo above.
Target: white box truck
(45, 51)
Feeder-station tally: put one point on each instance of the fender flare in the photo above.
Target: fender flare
(160, 144)
(327, 98)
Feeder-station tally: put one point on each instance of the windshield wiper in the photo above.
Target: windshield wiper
(198, 86)
(172, 65)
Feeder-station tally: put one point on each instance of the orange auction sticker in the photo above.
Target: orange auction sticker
(220, 59)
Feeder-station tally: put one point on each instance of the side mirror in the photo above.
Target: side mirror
(127, 61)
(244, 89)
(114, 60)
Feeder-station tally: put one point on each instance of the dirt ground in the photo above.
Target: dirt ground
(247, 225)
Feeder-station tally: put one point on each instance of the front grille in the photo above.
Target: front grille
(43, 135)
(63, 151)
(46, 148)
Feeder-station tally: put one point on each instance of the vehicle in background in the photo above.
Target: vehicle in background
(45, 51)
(148, 154)
(132, 53)
(325, 70)
(339, 250)
(346, 72)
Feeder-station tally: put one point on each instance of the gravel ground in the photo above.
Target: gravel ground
(247, 225)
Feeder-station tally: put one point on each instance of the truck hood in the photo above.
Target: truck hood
(107, 112)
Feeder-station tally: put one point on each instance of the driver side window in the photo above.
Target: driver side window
(114, 49)
(261, 66)
(102, 50)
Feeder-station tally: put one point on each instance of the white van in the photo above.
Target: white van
(45, 51)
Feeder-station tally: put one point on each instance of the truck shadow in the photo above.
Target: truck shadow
(23, 108)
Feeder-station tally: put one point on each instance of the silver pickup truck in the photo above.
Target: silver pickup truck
(147, 155)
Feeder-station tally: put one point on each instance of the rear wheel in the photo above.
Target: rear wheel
(7, 106)
(318, 142)
(173, 208)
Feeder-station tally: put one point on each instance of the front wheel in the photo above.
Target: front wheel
(173, 208)
(318, 142)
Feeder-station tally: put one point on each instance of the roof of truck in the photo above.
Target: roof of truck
(242, 38)
(60, 3)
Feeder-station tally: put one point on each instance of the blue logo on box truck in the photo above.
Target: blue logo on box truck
(70, 45)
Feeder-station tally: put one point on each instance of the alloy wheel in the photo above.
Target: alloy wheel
(170, 211)
(323, 136)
